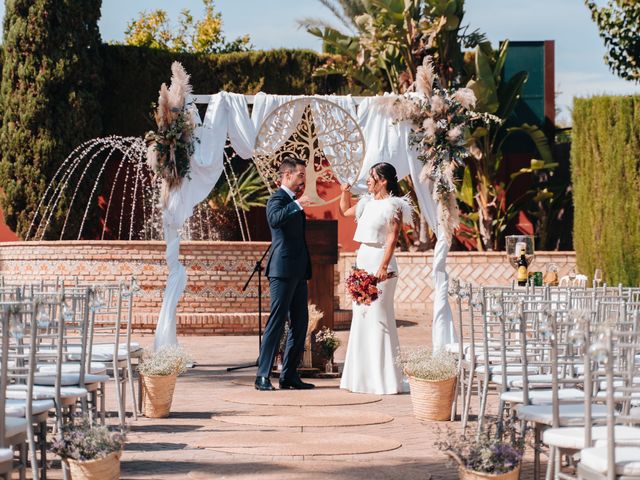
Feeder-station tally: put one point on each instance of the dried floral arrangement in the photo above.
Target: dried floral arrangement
(442, 123)
(84, 440)
(169, 149)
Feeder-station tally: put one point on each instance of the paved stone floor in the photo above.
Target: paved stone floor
(171, 448)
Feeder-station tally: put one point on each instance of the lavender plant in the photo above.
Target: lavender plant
(83, 440)
(490, 452)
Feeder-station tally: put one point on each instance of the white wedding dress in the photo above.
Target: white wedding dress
(371, 362)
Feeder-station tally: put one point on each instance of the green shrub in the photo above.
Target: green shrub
(605, 159)
(133, 76)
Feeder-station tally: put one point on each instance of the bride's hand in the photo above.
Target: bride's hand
(382, 274)
(345, 187)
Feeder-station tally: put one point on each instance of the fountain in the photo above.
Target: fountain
(129, 204)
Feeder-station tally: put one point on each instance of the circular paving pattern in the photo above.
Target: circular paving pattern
(301, 398)
(294, 444)
(305, 417)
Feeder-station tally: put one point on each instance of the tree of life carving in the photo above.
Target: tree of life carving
(318, 131)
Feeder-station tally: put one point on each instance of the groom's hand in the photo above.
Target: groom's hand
(304, 200)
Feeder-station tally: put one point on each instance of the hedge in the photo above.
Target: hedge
(133, 76)
(606, 181)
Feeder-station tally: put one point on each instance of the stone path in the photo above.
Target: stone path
(217, 429)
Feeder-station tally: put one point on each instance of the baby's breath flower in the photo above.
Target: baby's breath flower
(427, 365)
(167, 360)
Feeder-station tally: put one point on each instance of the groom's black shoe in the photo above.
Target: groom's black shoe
(295, 384)
(263, 383)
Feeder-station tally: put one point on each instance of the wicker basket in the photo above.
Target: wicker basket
(157, 392)
(431, 399)
(466, 474)
(107, 468)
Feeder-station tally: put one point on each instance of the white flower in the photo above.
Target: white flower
(475, 151)
(465, 97)
(454, 134)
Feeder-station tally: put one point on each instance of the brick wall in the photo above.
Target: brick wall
(213, 302)
(414, 292)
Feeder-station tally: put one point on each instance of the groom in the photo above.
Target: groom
(288, 269)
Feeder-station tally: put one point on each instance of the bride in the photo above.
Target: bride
(370, 365)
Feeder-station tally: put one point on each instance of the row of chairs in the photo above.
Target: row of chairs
(60, 346)
(565, 361)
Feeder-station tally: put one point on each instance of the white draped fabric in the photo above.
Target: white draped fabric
(227, 116)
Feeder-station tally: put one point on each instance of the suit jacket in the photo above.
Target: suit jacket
(289, 256)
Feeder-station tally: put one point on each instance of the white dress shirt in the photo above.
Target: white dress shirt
(292, 195)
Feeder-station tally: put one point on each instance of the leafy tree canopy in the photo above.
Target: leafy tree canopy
(154, 30)
(619, 25)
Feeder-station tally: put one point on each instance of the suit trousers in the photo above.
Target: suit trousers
(289, 297)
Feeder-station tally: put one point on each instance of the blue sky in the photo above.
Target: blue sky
(580, 70)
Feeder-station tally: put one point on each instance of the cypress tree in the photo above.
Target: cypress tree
(48, 101)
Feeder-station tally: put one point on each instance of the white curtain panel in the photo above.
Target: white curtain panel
(227, 116)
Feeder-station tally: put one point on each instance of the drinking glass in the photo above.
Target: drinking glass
(597, 277)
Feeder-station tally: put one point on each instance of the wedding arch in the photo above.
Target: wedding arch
(375, 136)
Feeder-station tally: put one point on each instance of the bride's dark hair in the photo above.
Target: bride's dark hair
(388, 172)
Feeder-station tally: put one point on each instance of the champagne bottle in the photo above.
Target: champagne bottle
(522, 268)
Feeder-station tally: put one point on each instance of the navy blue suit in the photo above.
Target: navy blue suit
(288, 269)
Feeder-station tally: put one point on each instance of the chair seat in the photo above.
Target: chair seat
(45, 392)
(6, 455)
(495, 369)
(17, 407)
(542, 397)
(573, 437)
(627, 460)
(571, 415)
(495, 356)
(515, 381)
(103, 352)
(97, 368)
(14, 426)
(68, 379)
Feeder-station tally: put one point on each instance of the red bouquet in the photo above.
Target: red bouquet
(362, 286)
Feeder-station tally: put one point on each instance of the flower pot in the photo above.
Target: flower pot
(157, 392)
(106, 468)
(432, 399)
(466, 474)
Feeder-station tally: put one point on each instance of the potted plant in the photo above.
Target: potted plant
(490, 455)
(91, 451)
(328, 343)
(432, 378)
(159, 370)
